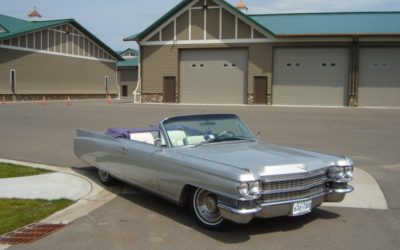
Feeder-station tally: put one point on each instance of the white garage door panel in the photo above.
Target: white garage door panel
(213, 76)
(310, 76)
(379, 84)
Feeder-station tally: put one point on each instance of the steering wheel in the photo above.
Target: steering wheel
(226, 134)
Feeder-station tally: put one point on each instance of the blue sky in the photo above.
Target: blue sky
(111, 21)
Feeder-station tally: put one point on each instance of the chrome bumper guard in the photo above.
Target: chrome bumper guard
(282, 208)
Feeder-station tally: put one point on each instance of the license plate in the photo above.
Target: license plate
(301, 207)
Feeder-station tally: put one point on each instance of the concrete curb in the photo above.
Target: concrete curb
(97, 196)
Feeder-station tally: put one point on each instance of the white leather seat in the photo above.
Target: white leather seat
(146, 137)
(193, 140)
(176, 137)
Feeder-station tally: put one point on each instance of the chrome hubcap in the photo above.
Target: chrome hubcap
(206, 207)
(103, 175)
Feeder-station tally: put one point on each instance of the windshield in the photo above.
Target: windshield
(201, 129)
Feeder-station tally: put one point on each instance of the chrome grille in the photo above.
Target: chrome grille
(292, 195)
(294, 184)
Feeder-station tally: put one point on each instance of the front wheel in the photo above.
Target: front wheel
(105, 177)
(203, 206)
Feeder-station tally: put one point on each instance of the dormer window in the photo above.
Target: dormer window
(129, 54)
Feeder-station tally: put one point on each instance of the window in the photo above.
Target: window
(106, 83)
(13, 80)
(379, 65)
(2, 29)
(194, 65)
(225, 65)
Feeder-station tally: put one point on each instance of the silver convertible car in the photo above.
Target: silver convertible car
(214, 163)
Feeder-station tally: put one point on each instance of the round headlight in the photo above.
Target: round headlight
(243, 188)
(255, 188)
(339, 172)
(348, 171)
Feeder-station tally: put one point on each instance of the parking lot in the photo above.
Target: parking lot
(371, 137)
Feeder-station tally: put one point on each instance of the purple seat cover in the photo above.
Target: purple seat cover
(125, 132)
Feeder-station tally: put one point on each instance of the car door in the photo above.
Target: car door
(139, 164)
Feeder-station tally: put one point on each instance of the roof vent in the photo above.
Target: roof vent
(34, 15)
(242, 7)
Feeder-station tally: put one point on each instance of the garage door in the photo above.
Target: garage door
(213, 76)
(310, 76)
(379, 84)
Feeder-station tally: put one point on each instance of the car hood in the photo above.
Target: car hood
(261, 158)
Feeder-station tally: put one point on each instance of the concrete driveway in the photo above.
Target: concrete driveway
(371, 137)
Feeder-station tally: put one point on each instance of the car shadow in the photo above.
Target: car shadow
(91, 173)
(234, 233)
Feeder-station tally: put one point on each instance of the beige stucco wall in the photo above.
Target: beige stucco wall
(40, 73)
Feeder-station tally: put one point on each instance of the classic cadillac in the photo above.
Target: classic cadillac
(214, 163)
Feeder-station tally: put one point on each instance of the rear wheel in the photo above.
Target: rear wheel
(204, 208)
(105, 177)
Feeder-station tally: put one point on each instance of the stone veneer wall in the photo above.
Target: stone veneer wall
(250, 98)
(36, 97)
(152, 98)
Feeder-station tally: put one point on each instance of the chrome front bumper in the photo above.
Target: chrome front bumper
(283, 208)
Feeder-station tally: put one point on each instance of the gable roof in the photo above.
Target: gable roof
(323, 24)
(15, 27)
(304, 24)
(180, 6)
(131, 62)
(121, 52)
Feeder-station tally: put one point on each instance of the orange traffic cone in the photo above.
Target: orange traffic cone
(4, 100)
(109, 100)
(69, 102)
(43, 102)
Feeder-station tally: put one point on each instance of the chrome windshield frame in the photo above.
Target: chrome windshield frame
(164, 122)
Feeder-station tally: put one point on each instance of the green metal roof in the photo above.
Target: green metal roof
(351, 23)
(305, 24)
(134, 51)
(132, 62)
(16, 27)
(176, 9)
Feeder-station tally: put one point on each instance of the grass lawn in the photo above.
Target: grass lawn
(15, 213)
(11, 170)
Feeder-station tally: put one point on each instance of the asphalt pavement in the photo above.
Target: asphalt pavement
(136, 220)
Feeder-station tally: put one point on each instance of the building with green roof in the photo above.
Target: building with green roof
(128, 72)
(209, 51)
(55, 59)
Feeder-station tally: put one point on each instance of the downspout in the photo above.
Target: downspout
(354, 73)
(137, 97)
